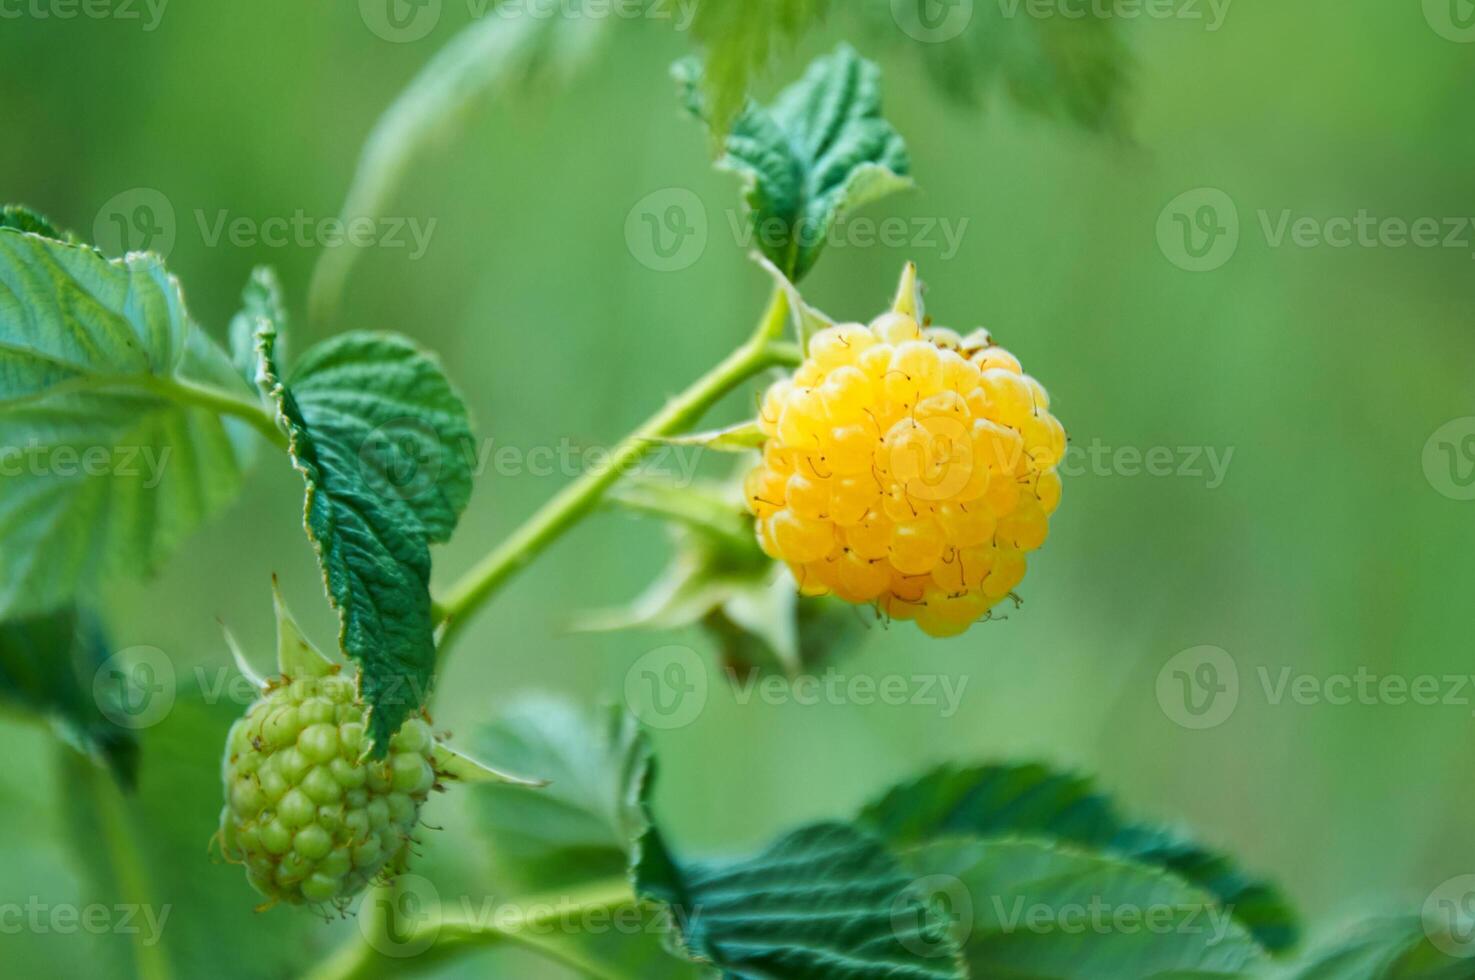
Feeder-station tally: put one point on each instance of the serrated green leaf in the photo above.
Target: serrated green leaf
(1033, 909)
(825, 901)
(378, 435)
(1394, 948)
(48, 666)
(1033, 800)
(740, 37)
(821, 150)
(150, 851)
(506, 51)
(111, 420)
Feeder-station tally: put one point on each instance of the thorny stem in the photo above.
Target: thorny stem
(761, 351)
(537, 924)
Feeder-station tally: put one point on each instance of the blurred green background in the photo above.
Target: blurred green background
(1324, 370)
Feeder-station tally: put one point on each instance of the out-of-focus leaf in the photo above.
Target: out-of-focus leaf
(821, 150)
(1075, 69)
(151, 850)
(1395, 948)
(740, 37)
(722, 581)
(579, 829)
(1033, 909)
(261, 302)
(48, 666)
(111, 404)
(1033, 800)
(503, 51)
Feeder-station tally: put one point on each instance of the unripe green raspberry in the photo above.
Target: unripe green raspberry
(308, 811)
(312, 821)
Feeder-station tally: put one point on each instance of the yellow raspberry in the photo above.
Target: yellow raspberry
(909, 467)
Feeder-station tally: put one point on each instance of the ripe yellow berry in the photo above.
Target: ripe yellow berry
(909, 467)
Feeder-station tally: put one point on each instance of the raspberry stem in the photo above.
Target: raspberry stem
(761, 351)
(544, 922)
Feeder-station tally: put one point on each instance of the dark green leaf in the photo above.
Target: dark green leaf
(826, 901)
(1032, 909)
(379, 437)
(1033, 800)
(821, 150)
(49, 665)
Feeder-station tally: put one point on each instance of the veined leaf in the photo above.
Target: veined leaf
(123, 426)
(1032, 909)
(48, 666)
(826, 901)
(378, 435)
(822, 149)
(1032, 800)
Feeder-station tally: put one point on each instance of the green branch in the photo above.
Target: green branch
(543, 922)
(761, 351)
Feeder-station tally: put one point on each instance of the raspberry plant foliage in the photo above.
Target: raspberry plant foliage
(893, 463)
